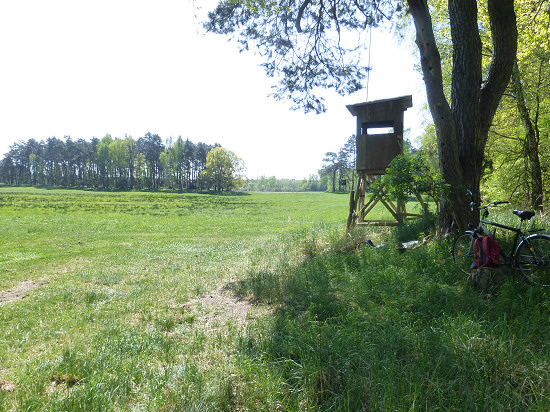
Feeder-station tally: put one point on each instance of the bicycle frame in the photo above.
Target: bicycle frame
(518, 234)
(530, 251)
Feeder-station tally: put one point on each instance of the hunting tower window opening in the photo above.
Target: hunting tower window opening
(372, 128)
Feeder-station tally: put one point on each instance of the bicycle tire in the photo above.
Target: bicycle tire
(533, 259)
(463, 251)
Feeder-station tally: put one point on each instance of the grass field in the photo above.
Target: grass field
(166, 301)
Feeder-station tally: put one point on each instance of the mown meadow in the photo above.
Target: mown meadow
(107, 303)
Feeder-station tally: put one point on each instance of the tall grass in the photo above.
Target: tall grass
(345, 326)
(377, 329)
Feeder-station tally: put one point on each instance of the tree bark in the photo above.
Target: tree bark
(465, 96)
(462, 127)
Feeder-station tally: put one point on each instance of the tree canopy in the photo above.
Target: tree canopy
(306, 45)
(223, 170)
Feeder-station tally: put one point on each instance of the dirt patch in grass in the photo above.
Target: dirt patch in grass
(221, 306)
(19, 291)
(7, 386)
(62, 382)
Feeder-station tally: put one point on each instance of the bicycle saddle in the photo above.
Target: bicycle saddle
(524, 214)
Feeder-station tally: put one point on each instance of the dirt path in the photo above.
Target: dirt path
(19, 291)
(220, 306)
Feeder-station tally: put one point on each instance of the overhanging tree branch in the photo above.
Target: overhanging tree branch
(300, 14)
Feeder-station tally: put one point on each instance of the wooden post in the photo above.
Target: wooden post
(401, 211)
(361, 189)
(351, 216)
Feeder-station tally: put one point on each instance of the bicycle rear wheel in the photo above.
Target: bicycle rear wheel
(463, 251)
(533, 259)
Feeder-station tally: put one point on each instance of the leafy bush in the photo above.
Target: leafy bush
(409, 175)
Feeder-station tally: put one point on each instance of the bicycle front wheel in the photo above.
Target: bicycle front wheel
(463, 251)
(533, 259)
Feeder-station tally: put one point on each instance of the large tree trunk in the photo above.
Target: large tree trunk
(462, 127)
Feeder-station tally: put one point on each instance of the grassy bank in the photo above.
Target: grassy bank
(382, 330)
(164, 301)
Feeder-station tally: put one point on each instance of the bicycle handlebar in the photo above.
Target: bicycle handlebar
(493, 204)
(485, 208)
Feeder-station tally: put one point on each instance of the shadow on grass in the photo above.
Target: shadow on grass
(379, 330)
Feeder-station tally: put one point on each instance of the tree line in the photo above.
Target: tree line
(109, 163)
(313, 183)
(143, 164)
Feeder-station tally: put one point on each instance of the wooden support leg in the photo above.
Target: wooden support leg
(361, 189)
(351, 216)
(401, 211)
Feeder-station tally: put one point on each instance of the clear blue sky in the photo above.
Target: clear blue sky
(88, 68)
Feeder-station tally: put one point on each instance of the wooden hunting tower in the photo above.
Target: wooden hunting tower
(379, 138)
(375, 151)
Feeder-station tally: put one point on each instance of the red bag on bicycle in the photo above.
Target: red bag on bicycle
(487, 252)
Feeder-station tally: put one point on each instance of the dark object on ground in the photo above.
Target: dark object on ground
(485, 279)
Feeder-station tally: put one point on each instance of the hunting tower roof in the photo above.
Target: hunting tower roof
(397, 103)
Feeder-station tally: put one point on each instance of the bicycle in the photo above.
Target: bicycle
(530, 251)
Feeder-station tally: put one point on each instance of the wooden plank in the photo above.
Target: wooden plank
(378, 223)
(419, 197)
(366, 211)
(395, 208)
(407, 215)
(394, 214)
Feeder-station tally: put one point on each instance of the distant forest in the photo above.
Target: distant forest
(125, 164)
(271, 184)
(107, 163)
